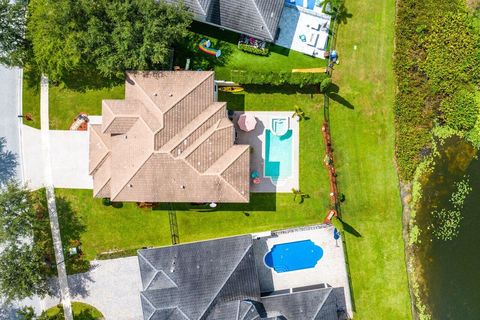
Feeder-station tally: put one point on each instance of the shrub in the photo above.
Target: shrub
(277, 78)
(460, 111)
(254, 50)
(325, 84)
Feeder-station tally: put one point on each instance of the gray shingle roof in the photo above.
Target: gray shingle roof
(196, 277)
(257, 18)
(218, 280)
(319, 304)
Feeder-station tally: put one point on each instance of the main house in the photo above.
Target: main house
(256, 18)
(228, 279)
(169, 140)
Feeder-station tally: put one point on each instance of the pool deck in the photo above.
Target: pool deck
(330, 269)
(312, 24)
(256, 139)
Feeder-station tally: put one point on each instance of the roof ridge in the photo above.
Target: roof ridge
(102, 160)
(201, 7)
(165, 274)
(323, 302)
(113, 196)
(103, 186)
(155, 111)
(263, 20)
(208, 74)
(142, 295)
(198, 142)
(227, 278)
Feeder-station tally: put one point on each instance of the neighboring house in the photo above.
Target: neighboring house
(256, 18)
(222, 279)
(168, 141)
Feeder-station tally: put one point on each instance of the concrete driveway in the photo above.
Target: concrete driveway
(112, 286)
(69, 157)
(10, 108)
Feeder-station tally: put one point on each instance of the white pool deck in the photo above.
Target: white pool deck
(256, 139)
(330, 270)
(313, 25)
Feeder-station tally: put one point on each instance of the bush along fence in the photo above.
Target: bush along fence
(277, 78)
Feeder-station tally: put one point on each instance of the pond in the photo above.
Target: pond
(450, 270)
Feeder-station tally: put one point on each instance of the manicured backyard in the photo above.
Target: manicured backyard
(66, 103)
(129, 228)
(363, 134)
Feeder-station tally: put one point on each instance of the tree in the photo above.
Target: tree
(70, 37)
(14, 47)
(299, 113)
(22, 272)
(17, 214)
(331, 6)
(325, 84)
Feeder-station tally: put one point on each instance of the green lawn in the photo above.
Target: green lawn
(65, 104)
(279, 59)
(362, 127)
(81, 311)
(129, 228)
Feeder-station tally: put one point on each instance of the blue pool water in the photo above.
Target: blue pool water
(310, 3)
(278, 155)
(293, 256)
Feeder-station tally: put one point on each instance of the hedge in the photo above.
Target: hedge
(277, 78)
(254, 50)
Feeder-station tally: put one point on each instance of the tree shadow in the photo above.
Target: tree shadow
(71, 229)
(280, 50)
(332, 93)
(339, 99)
(349, 229)
(8, 162)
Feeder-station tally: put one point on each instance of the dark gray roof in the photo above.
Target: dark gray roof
(320, 304)
(218, 280)
(193, 278)
(257, 18)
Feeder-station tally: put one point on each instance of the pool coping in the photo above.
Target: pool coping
(256, 138)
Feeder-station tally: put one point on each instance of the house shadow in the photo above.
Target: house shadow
(258, 202)
(284, 89)
(8, 162)
(235, 101)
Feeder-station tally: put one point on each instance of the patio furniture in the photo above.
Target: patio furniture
(254, 174)
(322, 41)
(256, 181)
(302, 37)
(247, 122)
(312, 39)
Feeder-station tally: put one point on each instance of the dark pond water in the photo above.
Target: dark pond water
(451, 269)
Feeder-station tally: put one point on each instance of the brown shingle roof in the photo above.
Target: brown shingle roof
(168, 141)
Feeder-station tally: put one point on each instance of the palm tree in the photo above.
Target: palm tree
(299, 193)
(331, 6)
(299, 113)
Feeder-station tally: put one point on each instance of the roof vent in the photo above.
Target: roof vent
(130, 185)
(126, 137)
(182, 187)
(170, 94)
(155, 94)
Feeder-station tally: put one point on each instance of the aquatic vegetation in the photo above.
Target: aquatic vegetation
(446, 225)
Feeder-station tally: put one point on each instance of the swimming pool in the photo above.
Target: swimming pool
(292, 256)
(300, 3)
(278, 155)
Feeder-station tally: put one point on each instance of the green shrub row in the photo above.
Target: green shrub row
(250, 49)
(277, 78)
(436, 57)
